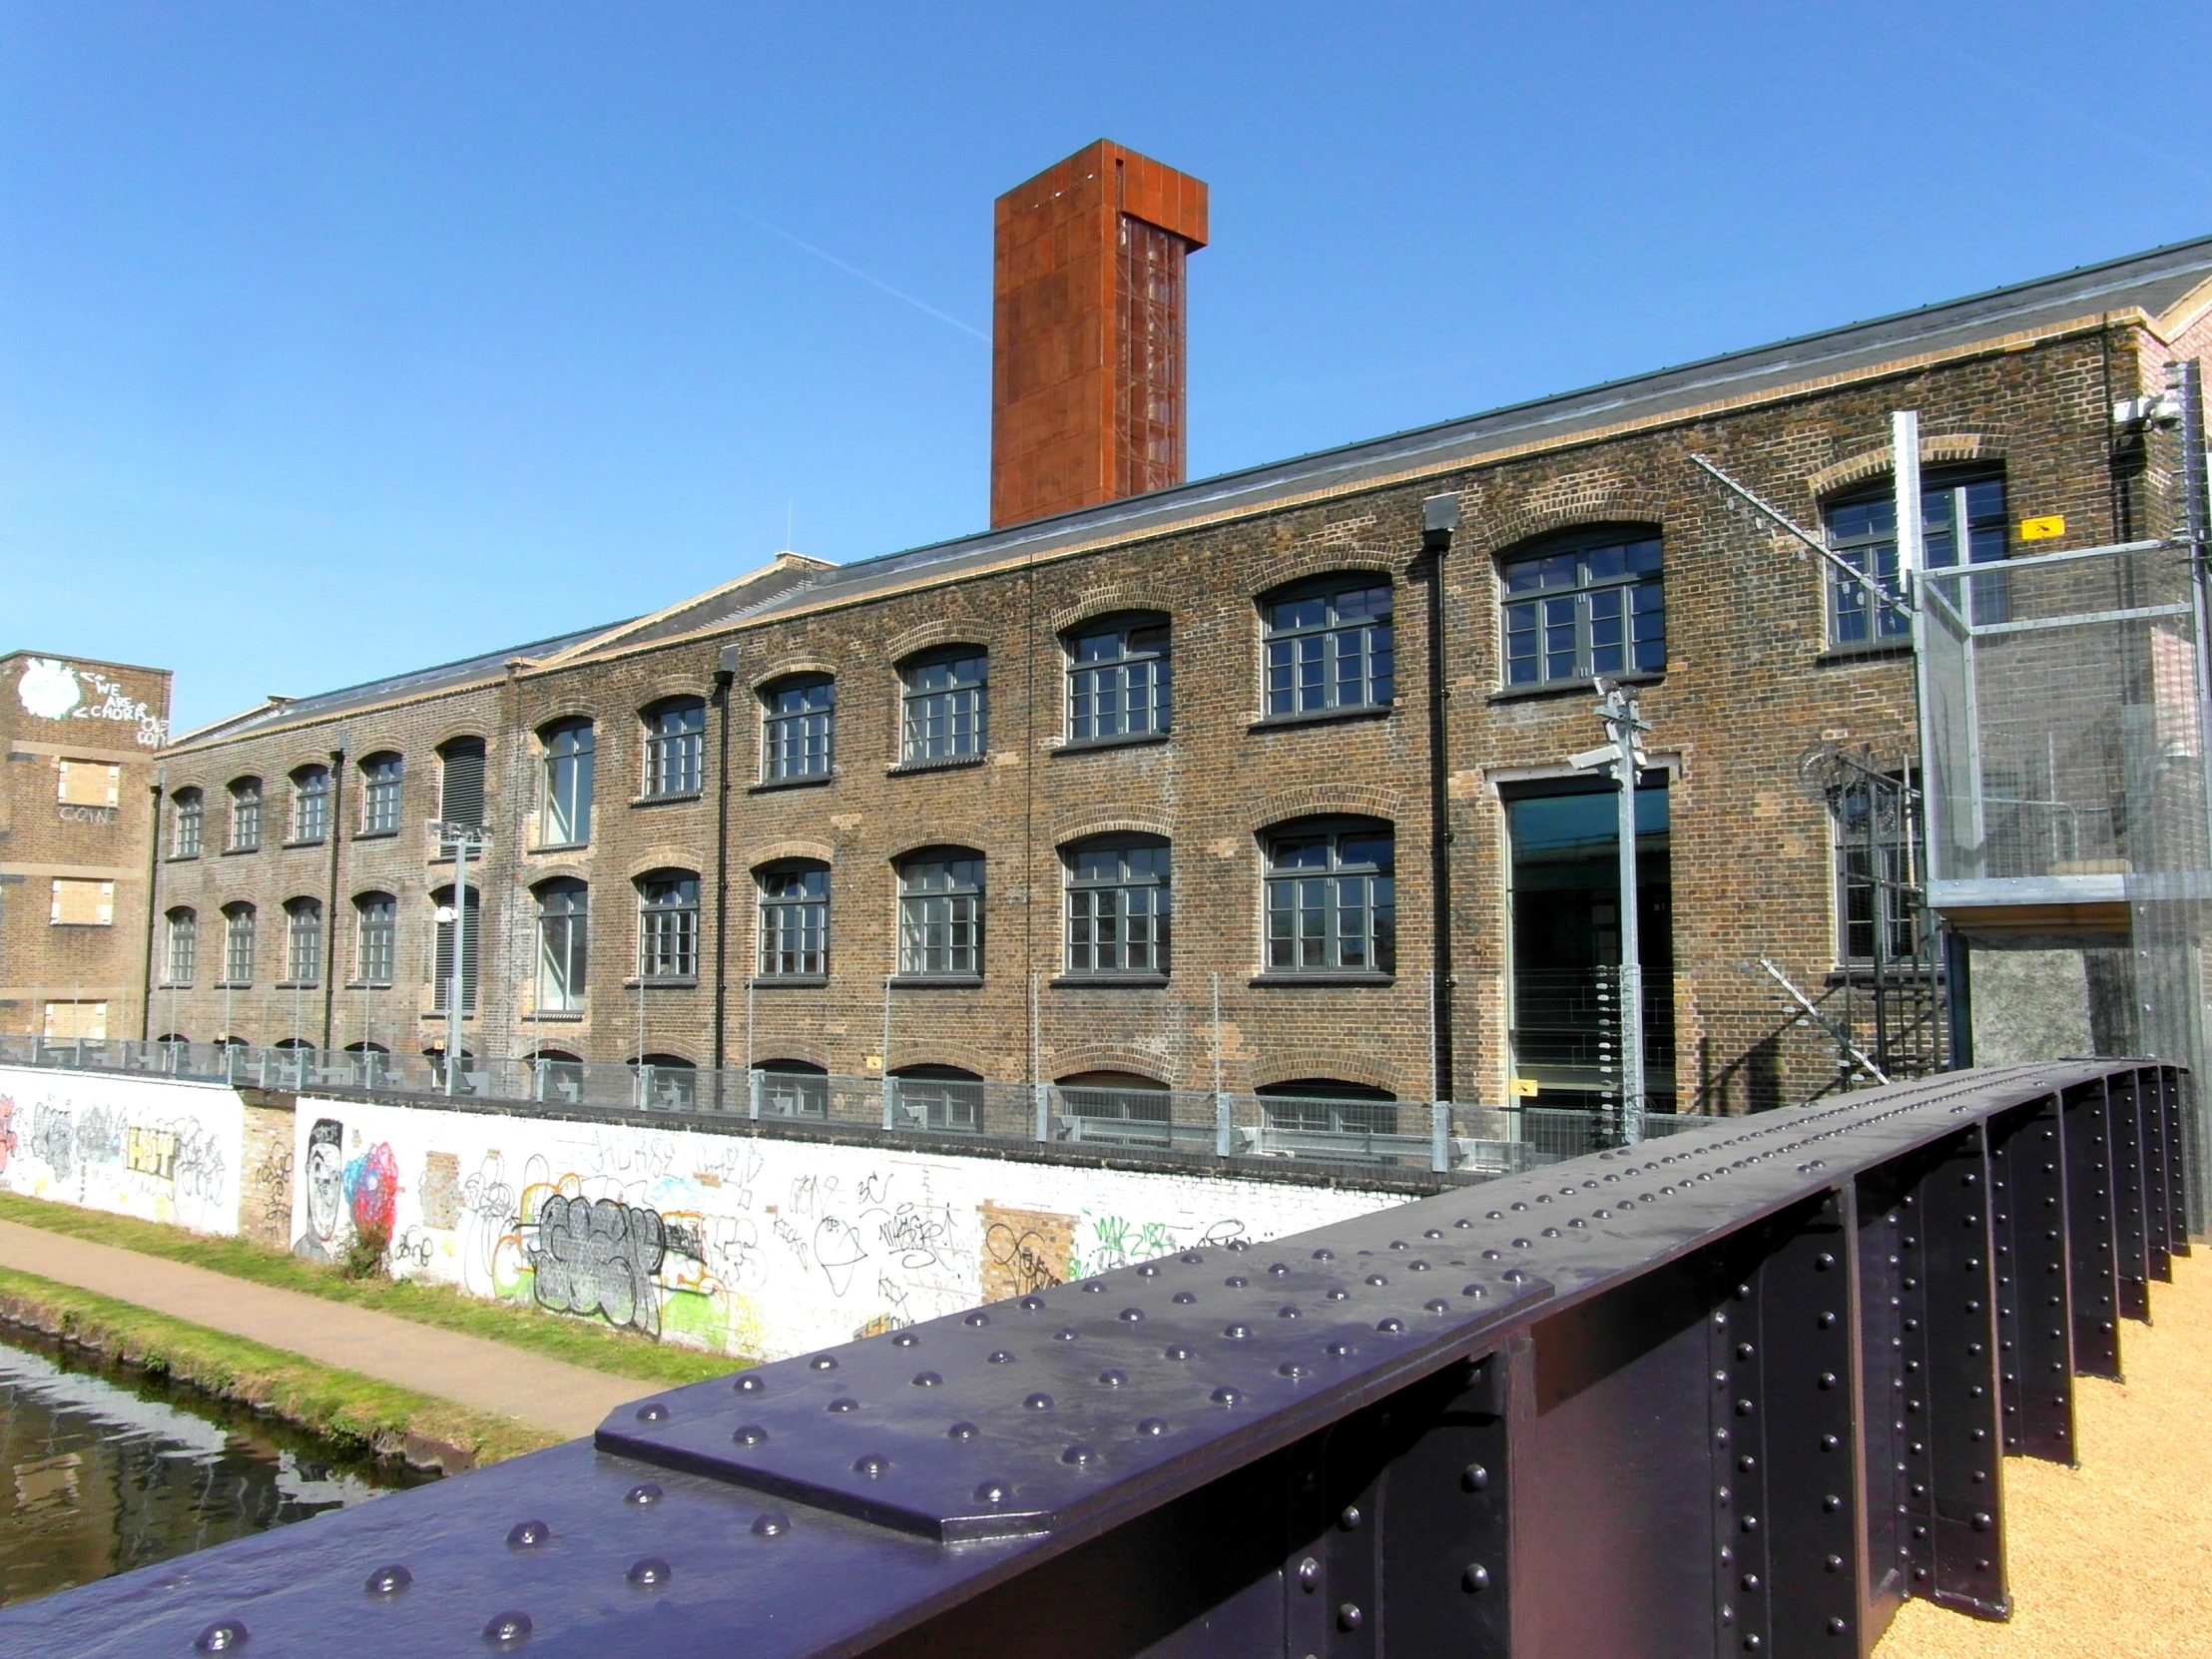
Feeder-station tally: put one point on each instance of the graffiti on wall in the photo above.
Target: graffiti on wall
(134, 1157)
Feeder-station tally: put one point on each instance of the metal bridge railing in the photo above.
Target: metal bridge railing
(1737, 1392)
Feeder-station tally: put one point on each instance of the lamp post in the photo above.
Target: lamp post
(1622, 757)
(465, 839)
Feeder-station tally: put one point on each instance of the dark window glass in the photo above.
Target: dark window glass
(461, 783)
(1584, 605)
(943, 1098)
(302, 941)
(1329, 1106)
(381, 777)
(1329, 647)
(187, 824)
(181, 959)
(793, 1089)
(245, 814)
(566, 814)
(564, 927)
(1332, 899)
(944, 714)
(310, 804)
(377, 938)
(1118, 679)
(941, 913)
(668, 927)
(1117, 907)
(472, 950)
(238, 945)
(798, 735)
(1957, 507)
(675, 746)
(1874, 869)
(795, 920)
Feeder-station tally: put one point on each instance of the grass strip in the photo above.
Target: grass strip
(561, 1336)
(344, 1405)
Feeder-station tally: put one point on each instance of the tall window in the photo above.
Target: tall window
(441, 956)
(186, 826)
(181, 957)
(461, 783)
(302, 941)
(1332, 899)
(1958, 505)
(1874, 868)
(1117, 907)
(1329, 646)
(310, 804)
(945, 713)
(667, 925)
(375, 938)
(1118, 679)
(1582, 604)
(565, 818)
(674, 742)
(245, 814)
(238, 945)
(941, 913)
(381, 778)
(795, 920)
(798, 729)
(564, 917)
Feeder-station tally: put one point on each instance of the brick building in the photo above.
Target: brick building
(1148, 792)
(76, 827)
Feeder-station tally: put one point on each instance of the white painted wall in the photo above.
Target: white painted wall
(743, 1245)
(155, 1148)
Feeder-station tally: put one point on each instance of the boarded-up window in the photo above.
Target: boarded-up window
(90, 784)
(66, 1021)
(82, 904)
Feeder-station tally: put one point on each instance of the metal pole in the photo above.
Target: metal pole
(1222, 1124)
(883, 1060)
(1042, 1098)
(457, 986)
(1624, 725)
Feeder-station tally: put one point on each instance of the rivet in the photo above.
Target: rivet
(1066, 1334)
(963, 1431)
(653, 1413)
(1494, 1215)
(1190, 1258)
(1132, 1315)
(389, 1581)
(1031, 1303)
(1349, 1616)
(1293, 1369)
(1400, 1244)
(1308, 1575)
(770, 1524)
(1551, 1232)
(1226, 1396)
(1476, 1578)
(1416, 1265)
(1524, 1244)
(1152, 1427)
(927, 1379)
(1514, 1276)
(1079, 1455)
(750, 1384)
(1749, 1581)
(1832, 1504)
(1349, 1519)
(1835, 1563)
(1336, 1293)
(1286, 1313)
(1277, 1268)
(1038, 1403)
(1176, 1351)
(750, 1434)
(978, 1318)
(1390, 1327)
(647, 1571)
(644, 1494)
(999, 1357)
(1474, 1289)
(529, 1534)
(1475, 1478)
(1491, 1255)
(1437, 1305)
(905, 1339)
(1094, 1287)
(1236, 1281)
(872, 1464)
(822, 1361)
(994, 1491)
(222, 1636)
(845, 1403)
(507, 1629)
(1743, 1408)
(1183, 1297)
(1464, 1222)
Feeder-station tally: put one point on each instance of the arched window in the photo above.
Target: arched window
(1332, 897)
(1329, 645)
(564, 925)
(675, 746)
(1963, 520)
(1118, 678)
(1117, 907)
(441, 956)
(795, 920)
(1582, 603)
(666, 1083)
(181, 956)
(238, 946)
(1329, 1106)
(375, 938)
(798, 728)
(943, 1098)
(941, 913)
(381, 779)
(944, 703)
(310, 804)
(564, 814)
(187, 824)
(793, 1089)
(1122, 1108)
(668, 927)
(245, 814)
(302, 941)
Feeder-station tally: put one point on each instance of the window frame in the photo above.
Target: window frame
(961, 706)
(567, 772)
(668, 927)
(310, 805)
(1284, 653)
(248, 806)
(1988, 595)
(472, 956)
(956, 910)
(180, 967)
(1377, 905)
(1080, 911)
(562, 973)
(240, 925)
(383, 781)
(375, 939)
(798, 745)
(1631, 582)
(302, 944)
(188, 806)
(673, 754)
(1127, 670)
(782, 916)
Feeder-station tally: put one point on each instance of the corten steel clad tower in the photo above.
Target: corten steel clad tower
(1087, 359)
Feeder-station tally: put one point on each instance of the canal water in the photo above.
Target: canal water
(104, 1468)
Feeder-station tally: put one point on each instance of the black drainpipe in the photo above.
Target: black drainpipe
(158, 788)
(335, 825)
(1440, 517)
(726, 674)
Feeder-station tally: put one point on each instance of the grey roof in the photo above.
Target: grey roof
(370, 693)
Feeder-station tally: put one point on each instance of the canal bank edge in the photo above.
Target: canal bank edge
(394, 1422)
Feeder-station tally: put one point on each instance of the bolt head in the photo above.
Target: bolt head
(389, 1581)
(224, 1636)
(647, 1571)
(509, 1629)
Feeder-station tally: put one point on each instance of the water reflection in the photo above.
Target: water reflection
(104, 1468)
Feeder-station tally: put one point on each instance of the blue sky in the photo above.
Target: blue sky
(338, 337)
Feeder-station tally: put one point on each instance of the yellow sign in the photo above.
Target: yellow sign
(2043, 529)
(1520, 1086)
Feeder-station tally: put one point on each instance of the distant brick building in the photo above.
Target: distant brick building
(76, 826)
(1148, 791)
